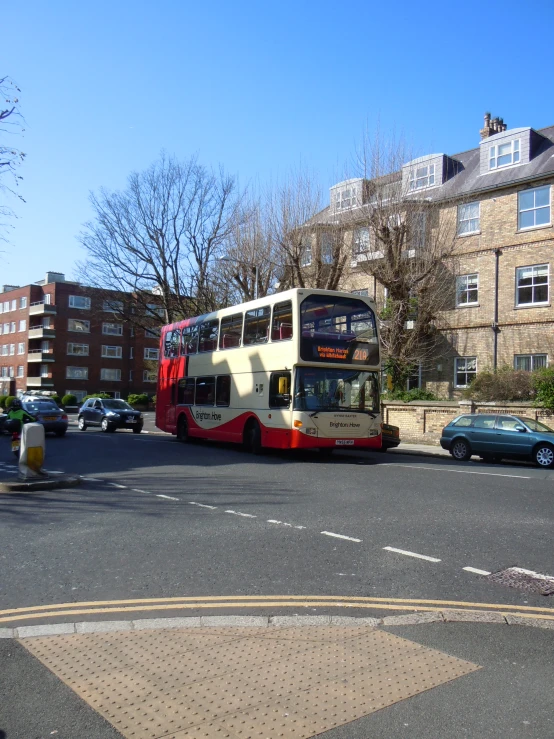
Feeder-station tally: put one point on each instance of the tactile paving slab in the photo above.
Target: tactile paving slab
(242, 683)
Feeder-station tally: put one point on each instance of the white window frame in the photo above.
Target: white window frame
(6, 306)
(422, 177)
(534, 209)
(78, 330)
(149, 350)
(541, 359)
(14, 304)
(22, 303)
(469, 219)
(12, 327)
(107, 332)
(71, 349)
(515, 154)
(21, 371)
(532, 286)
(112, 306)
(149, 376)
(106, 372)
(464, 287)
(5, 350)
(326, 248)
(76, 373)
(346, 198)
(11, 371)
(306, 257)
(12, 350)
(360, 241)
(74, 300)
(471, 374)
(23, 325)
(21, 348)
(112, 352)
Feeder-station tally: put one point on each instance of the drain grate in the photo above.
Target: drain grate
(531, 582)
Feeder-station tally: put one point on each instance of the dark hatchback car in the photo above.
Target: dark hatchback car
(44, 411)
(390, 436)
(110, 414)
(494, 437)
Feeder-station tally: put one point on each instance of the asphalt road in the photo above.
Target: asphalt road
(160, 519)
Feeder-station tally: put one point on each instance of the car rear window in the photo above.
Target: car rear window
(463, 421)
(41, 407)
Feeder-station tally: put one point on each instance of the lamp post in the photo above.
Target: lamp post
(254, 267)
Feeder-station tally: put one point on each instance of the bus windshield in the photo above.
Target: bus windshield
(336, 390)
(338, 329)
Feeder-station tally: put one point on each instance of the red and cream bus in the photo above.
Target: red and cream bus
(294, 370)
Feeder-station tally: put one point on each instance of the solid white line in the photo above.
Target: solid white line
(461, 472)
(245, 515)
(411, 554)
(202, 505)
(167, 497)
(476, 571)
(115, 485)
(340, 536)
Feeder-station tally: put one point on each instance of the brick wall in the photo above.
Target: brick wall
(423, 422)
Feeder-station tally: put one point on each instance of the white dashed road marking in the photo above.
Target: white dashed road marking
(115, 485)
(167, 497)
(282, 523)
(245, 515)
(411, 554)
(439, 468)
(203, 505)
(340, 536)
(476, 571)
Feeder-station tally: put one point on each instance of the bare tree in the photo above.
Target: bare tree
(11, 124)
(160, 237)
(309, 246)
(403, 236)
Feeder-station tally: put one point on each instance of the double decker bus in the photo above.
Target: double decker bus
(295, 370)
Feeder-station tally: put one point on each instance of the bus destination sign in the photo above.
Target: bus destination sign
(351, 354)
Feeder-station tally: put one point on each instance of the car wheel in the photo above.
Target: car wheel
(543, 455)
(137, 429)
(183, 430)
(81, 424)
(460, 450)
(60, 433)
(253, 436)
(106, 426)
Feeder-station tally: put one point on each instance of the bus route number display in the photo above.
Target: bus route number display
(340, 353)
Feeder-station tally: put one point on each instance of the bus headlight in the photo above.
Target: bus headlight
(311, 432)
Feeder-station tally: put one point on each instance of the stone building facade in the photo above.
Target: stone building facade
(59, 336)
(498, 198)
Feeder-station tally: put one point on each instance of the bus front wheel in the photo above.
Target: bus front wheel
(253, 437)
(183, 430)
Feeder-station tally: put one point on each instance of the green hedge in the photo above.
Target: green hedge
(9, 400)
(138, 399)
(69, 400)
(3, 399)
(96, 395)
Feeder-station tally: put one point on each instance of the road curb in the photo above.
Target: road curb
(30, 486)
(447, 616)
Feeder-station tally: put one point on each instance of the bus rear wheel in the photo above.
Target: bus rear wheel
(183, 430)
(253, 437)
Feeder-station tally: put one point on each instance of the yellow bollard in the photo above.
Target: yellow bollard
(31, 456)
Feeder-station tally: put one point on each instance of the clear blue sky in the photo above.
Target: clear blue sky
(255, 86)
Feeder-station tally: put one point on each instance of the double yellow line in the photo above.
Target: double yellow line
(87, 608)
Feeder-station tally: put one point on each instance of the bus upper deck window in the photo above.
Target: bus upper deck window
(207, 336)
(256, 325)
(281, 328)
(231, 331)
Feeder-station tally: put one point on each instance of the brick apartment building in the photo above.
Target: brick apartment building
(56, 335)
(499, 196)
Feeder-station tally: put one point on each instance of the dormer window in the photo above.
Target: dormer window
(345, 199)
(504, 155)
(421, 177)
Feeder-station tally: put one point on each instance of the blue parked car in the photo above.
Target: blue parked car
(494, 437)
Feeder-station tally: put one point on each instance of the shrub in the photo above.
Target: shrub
(56, 399)
(96, 395)
(138, 399)
(506, 383)
(543, 382)
(9, 400)
(69, 400)
(3, 399)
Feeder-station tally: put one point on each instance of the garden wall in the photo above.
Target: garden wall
(422, 421)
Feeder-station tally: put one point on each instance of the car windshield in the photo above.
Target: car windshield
(43, 406)
(536, 425)
(336, 390)
(117, 405)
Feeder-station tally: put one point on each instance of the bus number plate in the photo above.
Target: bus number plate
(344, 442)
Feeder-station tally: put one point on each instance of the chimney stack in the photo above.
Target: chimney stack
(492, 126)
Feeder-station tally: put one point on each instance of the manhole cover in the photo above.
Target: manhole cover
(532, 582)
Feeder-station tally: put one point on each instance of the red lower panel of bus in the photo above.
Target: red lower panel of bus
(272, 438)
